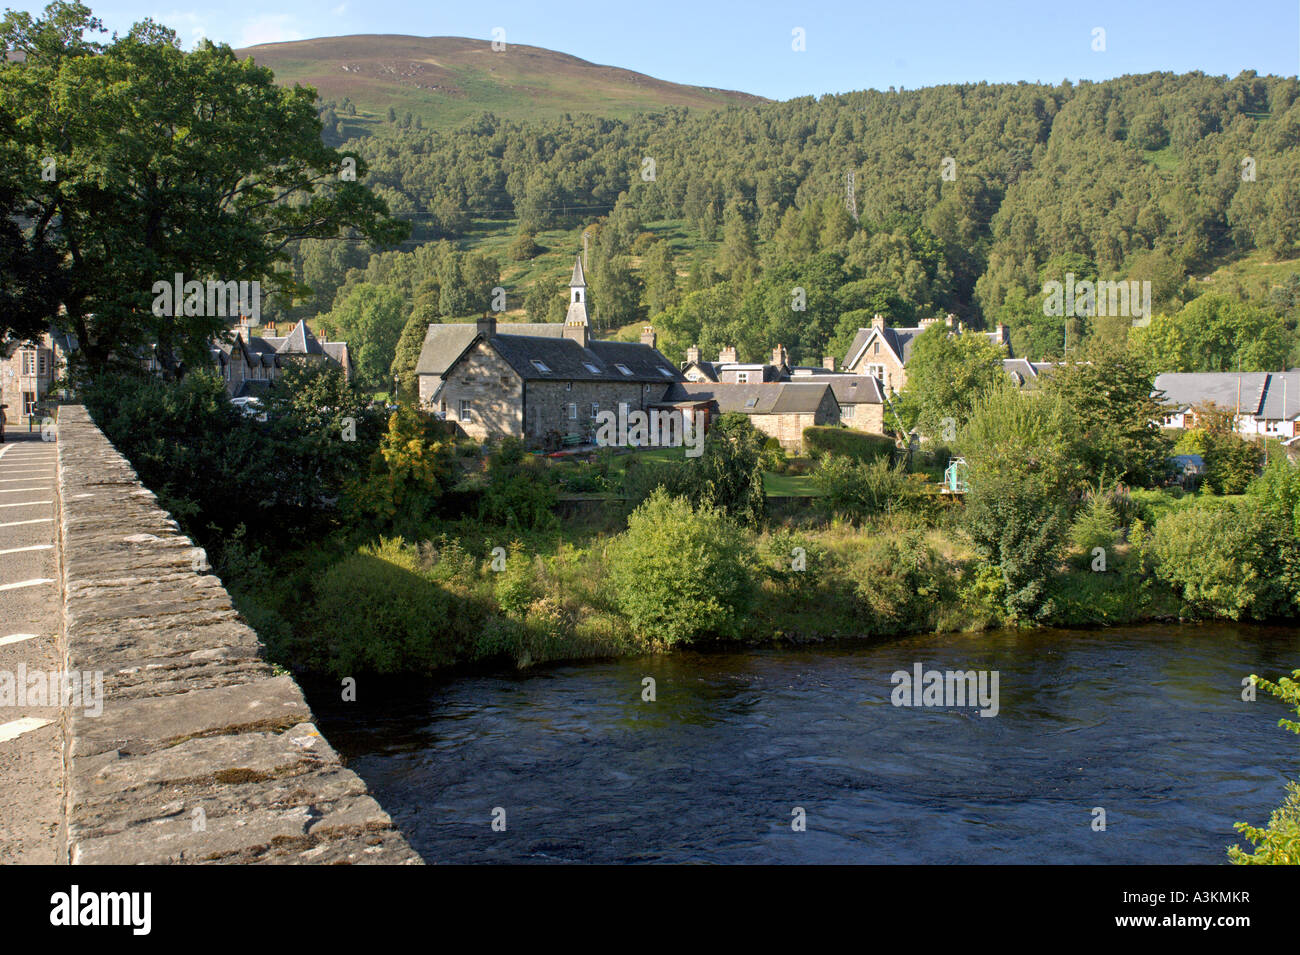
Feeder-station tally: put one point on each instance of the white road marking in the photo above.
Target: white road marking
(39, 520)
(27, 504)
(16, 728)
(15, 480)
(35, 581)
(16, 638)
(20, 490)
(19, 550)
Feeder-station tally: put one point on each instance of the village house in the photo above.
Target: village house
(882, 352)
(28, 369)
(1264, 404)
(859, 398)
(779, 409)
(538, 382)
(250, 363)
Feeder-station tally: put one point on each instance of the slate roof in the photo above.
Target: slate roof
(848, 389)
(1281, 396)
(443, 344)
(1187, 389)
(578, 278)
(781, 397)
(568, 361)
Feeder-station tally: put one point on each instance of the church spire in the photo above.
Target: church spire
(577, 296)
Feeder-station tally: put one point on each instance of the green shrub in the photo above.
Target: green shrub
(1277, 490)
(524, 247)
(902, 582)
(514, 585)
(1229, 560)
(855, 491)
(1095, 525)
(375, 612)
(520, 489)
(680, 572)
(1231, 462)
(845, 442)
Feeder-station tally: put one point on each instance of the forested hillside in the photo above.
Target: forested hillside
(968, 198)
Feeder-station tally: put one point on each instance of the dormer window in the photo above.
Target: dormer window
(624, 369)
(541, 366)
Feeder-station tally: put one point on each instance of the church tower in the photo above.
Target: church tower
(577, 296)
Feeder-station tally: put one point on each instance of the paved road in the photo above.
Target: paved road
(30, 758)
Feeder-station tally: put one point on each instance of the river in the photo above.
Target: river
(1146, 723)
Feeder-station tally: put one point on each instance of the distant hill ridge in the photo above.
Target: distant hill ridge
(445, 80)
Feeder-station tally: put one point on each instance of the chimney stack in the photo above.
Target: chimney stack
(927, 322)
(577, 331)
(780, 356)
(693, 354)
(727, 356)
(878, 321)
(648, 336)
(487, 325)
(1002, 334)
(829, 362)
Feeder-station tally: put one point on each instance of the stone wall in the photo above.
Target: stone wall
(202, 752)
(494, 392)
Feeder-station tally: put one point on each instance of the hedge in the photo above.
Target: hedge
(857, 445)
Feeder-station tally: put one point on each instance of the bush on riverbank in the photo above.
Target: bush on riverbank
(680, 572)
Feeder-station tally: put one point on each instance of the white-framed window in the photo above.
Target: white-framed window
(462, 410)
(29, 362)
(541, 366)
(742, 377)
(43, 364)
(846, 411)
(573, 411)
(591, 368)
(877, 372)
(595, 408)
(624, 369)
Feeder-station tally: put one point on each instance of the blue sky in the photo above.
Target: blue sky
(748, 45)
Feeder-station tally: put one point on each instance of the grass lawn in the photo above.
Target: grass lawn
(789, 485)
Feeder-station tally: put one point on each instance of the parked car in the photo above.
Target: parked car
(250, 406)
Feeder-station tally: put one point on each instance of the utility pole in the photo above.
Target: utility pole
(850, 199)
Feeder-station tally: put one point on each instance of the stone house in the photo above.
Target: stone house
(27, 370)
(533, 381)
(249, 365)
(882, 352)
(780, 409)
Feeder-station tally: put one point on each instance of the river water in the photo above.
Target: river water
(1146, 723)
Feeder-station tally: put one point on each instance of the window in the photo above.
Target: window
(573, 411)
(742, 377)
(877, 372)
(846, 411)
(667, 373)
(44, 365)
(541, 366)
(751, 402)
(29, 362)
(29, 402)
(568, 386)
(595, 408)
(876, 349)
(463, 412)
(591, 368)
(624, 369)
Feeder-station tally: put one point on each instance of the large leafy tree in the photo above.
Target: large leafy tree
(1113, 416)
(370, 319)
(946, 375)
(165, 162)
